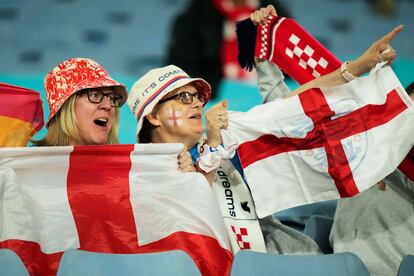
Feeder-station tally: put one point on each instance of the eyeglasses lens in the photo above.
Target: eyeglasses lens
(96, 96)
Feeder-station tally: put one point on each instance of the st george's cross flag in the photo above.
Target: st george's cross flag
(324, 143)
(112, 199)
(21, 115)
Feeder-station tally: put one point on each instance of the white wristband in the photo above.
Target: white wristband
(345, 73)
(211, 158)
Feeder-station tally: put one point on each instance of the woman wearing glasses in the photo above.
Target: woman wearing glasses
(168, 106)
(84, 104)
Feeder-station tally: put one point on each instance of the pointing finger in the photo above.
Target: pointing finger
(390, 36)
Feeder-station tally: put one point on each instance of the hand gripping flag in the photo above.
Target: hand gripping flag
(117, 199)
(21, 115)
(284, 42)
(324, 143)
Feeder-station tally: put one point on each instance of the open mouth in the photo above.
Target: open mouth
(195, 116)
(101, 122)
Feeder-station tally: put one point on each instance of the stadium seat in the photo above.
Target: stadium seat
(248, 263)
(10, 264)
(406, 266)
(78, 262)
(297, 217)
(318, 228)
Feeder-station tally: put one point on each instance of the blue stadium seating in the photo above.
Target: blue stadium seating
(78, 262)
(131, 37)
(247, 263)
(406, 266)
(10, 264)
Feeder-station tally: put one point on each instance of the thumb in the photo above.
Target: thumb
(183, 151)
(388, 54)
(225, 103)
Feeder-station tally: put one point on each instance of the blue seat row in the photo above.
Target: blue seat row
(246, 263)
(79, 263)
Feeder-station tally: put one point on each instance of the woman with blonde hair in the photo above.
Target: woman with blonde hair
(84, 104)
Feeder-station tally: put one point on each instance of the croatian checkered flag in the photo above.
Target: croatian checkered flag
(284, 42)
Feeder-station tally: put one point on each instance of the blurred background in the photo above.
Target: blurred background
(128, 38)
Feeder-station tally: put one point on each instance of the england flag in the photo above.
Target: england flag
(324, 143)
(114, 199)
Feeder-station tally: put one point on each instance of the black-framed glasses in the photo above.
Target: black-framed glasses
(185, 97)
(96, 95)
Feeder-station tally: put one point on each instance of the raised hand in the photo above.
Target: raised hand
(216, 120)
(379, 51)
(185, 162)
(260, 17)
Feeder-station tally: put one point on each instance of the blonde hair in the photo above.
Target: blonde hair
(63, 129)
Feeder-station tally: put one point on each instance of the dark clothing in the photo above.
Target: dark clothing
(196, 37)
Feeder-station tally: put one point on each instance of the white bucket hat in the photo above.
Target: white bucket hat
(150, 88)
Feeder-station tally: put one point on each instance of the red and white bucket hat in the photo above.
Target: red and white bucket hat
(74, 75)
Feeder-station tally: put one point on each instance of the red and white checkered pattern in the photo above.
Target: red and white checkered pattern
(240, 233)
(305, 55)
(296, 52)
(263, 42)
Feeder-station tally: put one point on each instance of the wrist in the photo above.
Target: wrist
(209, 158)
(214, 138)
(350, 70)
(358, 67)
(258, 60)
(213, 142)
(348, 76)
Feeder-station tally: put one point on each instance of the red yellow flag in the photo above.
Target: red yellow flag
(21, 115)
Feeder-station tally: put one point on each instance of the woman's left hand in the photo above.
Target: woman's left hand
(185, 162)
(379, 51)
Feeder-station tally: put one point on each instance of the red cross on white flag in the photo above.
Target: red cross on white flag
(107, 199)
(174, 117)
(324, 144)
